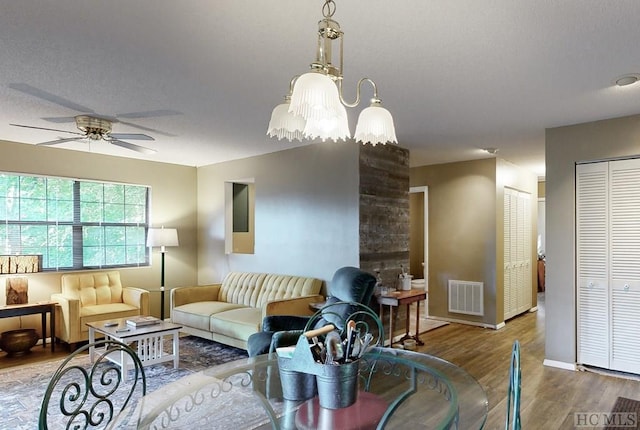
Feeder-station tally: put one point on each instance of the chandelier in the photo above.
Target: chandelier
(315, 107)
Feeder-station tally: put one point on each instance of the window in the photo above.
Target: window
(74, 224)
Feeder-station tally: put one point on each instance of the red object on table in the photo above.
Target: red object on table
(364, 414)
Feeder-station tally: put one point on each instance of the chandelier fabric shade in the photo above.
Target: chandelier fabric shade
(315, 105)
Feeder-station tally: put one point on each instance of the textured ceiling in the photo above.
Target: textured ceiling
(457, 75)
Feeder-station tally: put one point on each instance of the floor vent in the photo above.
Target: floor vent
(466, 297)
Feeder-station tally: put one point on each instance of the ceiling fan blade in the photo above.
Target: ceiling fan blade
(153, 130)
(149, 114)
(131, 136)
(60, 119)
(42, 94)
(55, 142)
(133, 147)
(48, 129)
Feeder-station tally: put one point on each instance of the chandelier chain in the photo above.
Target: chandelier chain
(328, 9)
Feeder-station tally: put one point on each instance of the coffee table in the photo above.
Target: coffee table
(150, 341)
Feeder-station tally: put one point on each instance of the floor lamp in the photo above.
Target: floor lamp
(162, 237)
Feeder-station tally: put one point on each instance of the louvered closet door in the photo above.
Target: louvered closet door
(524, 252)
(509, 255)
(592, 243)
(517, 252)
(624, 213)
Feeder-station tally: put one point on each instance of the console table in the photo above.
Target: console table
(32, 309)
(399, 298)
(407, 390)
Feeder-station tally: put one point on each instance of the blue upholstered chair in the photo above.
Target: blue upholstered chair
(81, 395)
(349, 284)
(512, 421)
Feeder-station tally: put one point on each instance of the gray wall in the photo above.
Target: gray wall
(566, 146)
(306, 212)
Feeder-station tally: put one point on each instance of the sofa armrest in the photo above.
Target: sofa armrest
(204, 293)
(68, 319)
(293, 306)
(136, 297)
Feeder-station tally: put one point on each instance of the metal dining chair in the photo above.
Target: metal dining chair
(512, 421)
(81, 395)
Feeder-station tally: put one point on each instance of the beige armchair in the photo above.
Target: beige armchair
(94, 296)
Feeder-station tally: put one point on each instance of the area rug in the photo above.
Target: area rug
(624, 415)
(22, 388)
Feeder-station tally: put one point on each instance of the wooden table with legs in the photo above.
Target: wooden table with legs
(42, 308)
(399, 298)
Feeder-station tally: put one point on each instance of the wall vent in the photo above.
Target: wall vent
(466, 297)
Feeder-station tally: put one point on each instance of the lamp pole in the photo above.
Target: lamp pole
(162, 252)
(162, 237)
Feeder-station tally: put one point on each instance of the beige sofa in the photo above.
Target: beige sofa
(94, 296)
(233, 310)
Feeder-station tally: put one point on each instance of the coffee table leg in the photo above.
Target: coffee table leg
(92, 339)
(176, 350)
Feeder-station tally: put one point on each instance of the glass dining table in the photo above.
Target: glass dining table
(397, 389)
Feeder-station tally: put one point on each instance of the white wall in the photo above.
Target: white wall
(306, 212)
(564, 147)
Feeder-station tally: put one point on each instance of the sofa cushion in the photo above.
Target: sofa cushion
(256, 289)
(241, 287)
(198, 314)
(97, 288)
(104, 313)
(237, 323)
(106, 310)
(278, 287)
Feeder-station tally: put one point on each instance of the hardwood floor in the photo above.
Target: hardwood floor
(550, 396)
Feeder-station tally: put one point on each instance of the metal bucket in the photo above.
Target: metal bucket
(338, 385)
(296, 385)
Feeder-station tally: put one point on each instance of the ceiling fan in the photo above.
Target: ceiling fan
(94, 128)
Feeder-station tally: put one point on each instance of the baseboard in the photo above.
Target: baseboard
(534, 309)
(473, 323)
(559, 364)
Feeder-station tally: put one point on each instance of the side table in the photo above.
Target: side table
(31, 309)
(403, 298)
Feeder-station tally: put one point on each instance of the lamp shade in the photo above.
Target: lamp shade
(162, 237)
(329, 128)
(315, 96)
(375, 125)
(284, 124)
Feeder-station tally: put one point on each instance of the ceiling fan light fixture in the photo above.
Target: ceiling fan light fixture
(317, 96)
